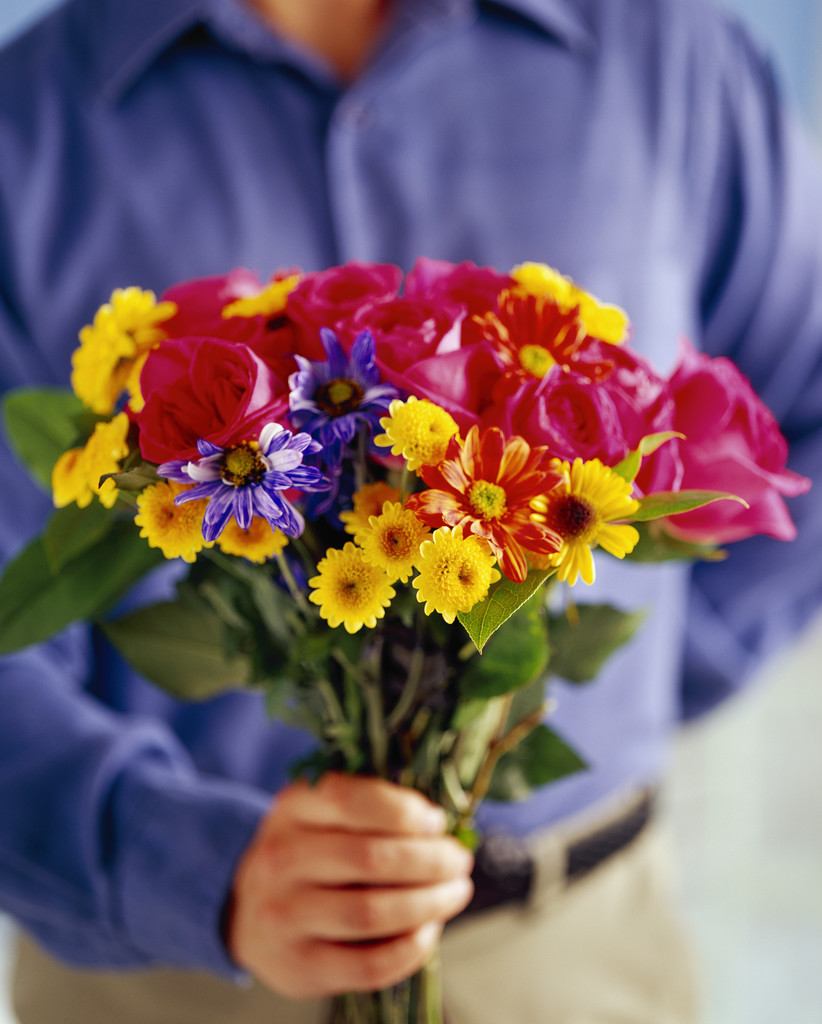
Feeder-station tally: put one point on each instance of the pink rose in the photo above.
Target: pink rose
(459, 380)
(577, 416)
(567, 413)
(476, 288)
(733, 444)
(404, 330)
(205, 388)
(322, 299)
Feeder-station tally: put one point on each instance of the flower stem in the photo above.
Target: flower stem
(359, 462)
(405, 480)
(291, 583)
(409, 690)
(497, 749)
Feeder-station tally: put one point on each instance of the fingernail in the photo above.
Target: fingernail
(466, 860)
(463, 888)
(429, 934)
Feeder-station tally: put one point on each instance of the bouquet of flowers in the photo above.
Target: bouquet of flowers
(349, 463)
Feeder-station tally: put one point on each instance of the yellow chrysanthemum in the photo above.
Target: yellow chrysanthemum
(584, 511)
(124, 330)
(418, 430)
(258, 543)
(455, 572)
(392, 540)
(349, 591)
(177, 530)
(269, 302)
(76, 474)
(69, 479)
(368, 501)
(608, 323)
(105, 449)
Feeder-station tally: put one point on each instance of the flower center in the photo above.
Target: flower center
(243, 466)
(570, 516)
(487, 499)
(339, 396)
(395, 542)
(536, 360)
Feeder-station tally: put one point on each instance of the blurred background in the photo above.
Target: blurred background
(745, 792)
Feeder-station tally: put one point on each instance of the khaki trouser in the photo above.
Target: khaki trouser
(605, 950)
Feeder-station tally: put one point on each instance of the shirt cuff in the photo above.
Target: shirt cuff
(178, 837)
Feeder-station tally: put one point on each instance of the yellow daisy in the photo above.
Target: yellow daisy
(349, 591)
(368, 501)
(454, 572)
(124, 329)
(584, 511)
(392, 540)
(269, 302)
(258, 543)
(177, 530)
(418, 430)
(608, 323)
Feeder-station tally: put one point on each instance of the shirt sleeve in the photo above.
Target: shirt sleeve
(762, 307)
(114, 849)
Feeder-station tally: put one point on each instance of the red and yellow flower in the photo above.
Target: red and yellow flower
(486, 488)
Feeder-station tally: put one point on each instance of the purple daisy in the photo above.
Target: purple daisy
(333, 399)
(247, 479)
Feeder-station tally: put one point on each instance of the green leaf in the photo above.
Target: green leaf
(657, 546)
(542, 757)
(585, 637)
(629, 467)
(134, 476)
(36, 602)
(72, 530)
(671, 503)
(516, 654)
(180, 648)
(42, 423)
(504, 598)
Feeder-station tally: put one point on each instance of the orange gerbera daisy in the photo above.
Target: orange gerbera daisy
(533, 333)
(486, 488)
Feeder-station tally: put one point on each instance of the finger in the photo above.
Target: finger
(356, 915)
(360, 803)
(372, 966)
(340, 858)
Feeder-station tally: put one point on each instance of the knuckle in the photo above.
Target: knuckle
(369, 857)
(365, 912)
(281, 914)
(281, 856)
(335, 790)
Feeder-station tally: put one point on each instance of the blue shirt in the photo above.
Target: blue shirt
(638, 145)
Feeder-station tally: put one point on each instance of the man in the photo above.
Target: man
(639, 146)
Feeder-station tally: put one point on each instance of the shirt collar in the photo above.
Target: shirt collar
(562, 19)
(131, 35)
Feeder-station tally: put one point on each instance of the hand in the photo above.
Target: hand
(345, 887)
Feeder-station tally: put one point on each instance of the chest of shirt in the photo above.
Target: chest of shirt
(212, 160)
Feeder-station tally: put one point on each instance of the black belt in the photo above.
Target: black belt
(504, 867)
